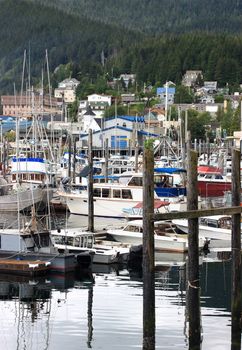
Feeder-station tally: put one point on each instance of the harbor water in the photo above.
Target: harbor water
(102, 308)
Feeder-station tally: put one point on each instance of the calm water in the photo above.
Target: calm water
(103, 310)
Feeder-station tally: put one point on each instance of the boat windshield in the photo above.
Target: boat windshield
(133, 228)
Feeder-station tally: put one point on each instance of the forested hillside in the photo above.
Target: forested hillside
(160, 16)
(92, 51)
(67, 38)
(168, 57)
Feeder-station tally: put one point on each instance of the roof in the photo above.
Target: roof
(89, 111)
(98, 121)
(128, 118)
(208, 169)
(142, 132)
(161, 90)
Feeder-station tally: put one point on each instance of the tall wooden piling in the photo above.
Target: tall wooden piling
(89, 317)
(136, 157)
(90, 184)
(148, 250)
(193, 286)
(74, 162)
(236, 255)
(69, 156)
(106, 160)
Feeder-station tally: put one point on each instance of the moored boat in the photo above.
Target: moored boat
(165, 237)
(217, 229)
(75, 241)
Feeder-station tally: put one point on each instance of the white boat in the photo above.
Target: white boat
(215, 228)
(165, 237)
(75, 241)
(111, 198)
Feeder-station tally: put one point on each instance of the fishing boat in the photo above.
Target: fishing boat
(211, 182)
(216, 228)
(76, 241)
(165, 237)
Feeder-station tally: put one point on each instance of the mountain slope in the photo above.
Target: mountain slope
(159, 16)
(67, 38)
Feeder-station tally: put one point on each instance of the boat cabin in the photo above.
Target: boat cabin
(72, 238)
(216, 221)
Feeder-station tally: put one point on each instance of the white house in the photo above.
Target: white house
(99, 99)
(67, 90)
(99, 103)
(127, 78)
(71, 83)
(166, 95)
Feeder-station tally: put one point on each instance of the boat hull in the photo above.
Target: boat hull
(162, 243)
(212, 188)
(220, 237)
(102, 207)
(21, 200)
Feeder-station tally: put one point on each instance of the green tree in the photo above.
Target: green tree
(197, 124)
(183, 95)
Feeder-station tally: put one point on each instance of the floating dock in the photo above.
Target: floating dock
(24, 267)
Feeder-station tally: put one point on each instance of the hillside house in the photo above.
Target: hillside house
(166, 95)
(67, 90)
(190, 77)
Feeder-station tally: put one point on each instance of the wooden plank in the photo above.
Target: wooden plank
(191, 214)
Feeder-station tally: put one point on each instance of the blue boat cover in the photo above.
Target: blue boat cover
(169, 170)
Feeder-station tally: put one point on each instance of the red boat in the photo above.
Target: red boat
(211, 182)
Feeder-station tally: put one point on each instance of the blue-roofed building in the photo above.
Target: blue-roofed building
(126, 121)
(120, 138)
(161, 93)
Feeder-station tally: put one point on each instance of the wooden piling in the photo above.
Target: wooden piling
(236, 255)
(148, 250)
(136, 153)
(106, 160)
(90, 317)
(193, 286)
(74, 162)
(69, 156)
(90, 184)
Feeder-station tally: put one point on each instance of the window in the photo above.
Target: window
(132, 228)
(97, 192)
(126, 194)
(76, 241)
(116, 194)
(105, 192)
(89, 241)
(69, 241)
(136, 181)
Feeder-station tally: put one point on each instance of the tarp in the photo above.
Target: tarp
(169, 170)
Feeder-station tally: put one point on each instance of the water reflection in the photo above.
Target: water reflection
(102, 309)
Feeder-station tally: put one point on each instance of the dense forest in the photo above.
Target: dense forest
(97, 40)
(27, 25)
(159, 16)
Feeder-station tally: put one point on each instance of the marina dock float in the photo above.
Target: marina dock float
(24, 267)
